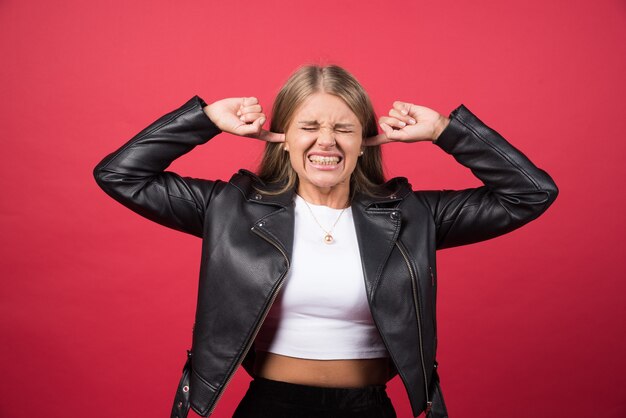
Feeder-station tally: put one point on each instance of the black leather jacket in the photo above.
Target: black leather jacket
(247, 243)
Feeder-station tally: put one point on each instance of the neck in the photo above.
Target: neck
(337, 197)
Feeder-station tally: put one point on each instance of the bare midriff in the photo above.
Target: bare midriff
(351, 373)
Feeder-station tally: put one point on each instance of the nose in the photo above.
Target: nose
(326, 138)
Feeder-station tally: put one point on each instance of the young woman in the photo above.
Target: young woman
(317, 275)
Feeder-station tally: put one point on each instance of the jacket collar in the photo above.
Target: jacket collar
(255, 190)
(377, 220)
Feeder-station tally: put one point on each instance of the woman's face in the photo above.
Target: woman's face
(324, 141)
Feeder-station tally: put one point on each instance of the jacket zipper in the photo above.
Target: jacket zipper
(419, 320)
(432, 282)
(258, 325)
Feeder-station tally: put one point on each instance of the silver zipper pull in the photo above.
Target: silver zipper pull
(429, 406)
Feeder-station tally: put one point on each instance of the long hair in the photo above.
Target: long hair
(275, 166)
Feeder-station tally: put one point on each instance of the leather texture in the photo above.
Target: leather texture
(247, 234)
(181, 405)
(438, 407)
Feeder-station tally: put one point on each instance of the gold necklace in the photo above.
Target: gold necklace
(328, 237)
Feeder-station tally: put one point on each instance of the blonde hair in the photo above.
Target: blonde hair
(275, 166)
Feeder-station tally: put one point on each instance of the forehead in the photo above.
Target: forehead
(324, 107)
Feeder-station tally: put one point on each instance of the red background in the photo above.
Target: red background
(97, 303)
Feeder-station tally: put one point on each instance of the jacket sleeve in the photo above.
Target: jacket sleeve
(135, 175)
(515, 191)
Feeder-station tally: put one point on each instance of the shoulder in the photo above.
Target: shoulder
(244, 179)
(391, 193)
(252, 188)
(247, 181)
(398, 185)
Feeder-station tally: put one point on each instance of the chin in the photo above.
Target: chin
(328, 183)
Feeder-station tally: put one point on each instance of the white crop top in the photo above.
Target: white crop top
(321, 311)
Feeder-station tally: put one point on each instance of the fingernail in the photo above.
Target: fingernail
(412, 121)
(241, 118)
(402, 124)
(262, 121)
(405, 112)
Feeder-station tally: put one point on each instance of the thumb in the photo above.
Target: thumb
(252, 129)
(402, 107)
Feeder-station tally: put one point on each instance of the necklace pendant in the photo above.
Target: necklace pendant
(328, 239)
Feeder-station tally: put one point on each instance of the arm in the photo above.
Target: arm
(135, 175)
(515, 191)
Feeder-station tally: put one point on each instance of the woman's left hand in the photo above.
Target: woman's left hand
(408, 122)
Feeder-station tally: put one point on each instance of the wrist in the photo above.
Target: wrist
(441, 124)
(206, 109)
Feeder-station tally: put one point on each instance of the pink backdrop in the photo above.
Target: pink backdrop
(97, 303)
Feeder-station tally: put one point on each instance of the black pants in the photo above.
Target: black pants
(273, 399)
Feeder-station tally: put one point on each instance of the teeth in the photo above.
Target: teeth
(318, 159)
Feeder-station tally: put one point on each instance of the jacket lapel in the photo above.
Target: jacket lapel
(377, 221)
(279, 225)
(275, 217)
(377, 230)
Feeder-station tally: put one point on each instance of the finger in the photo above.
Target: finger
(404, 118)
(249, 101)
(387, 129)
(250, 129)
(251, 109)
(393, 122)
(376, 140)
(268, 136)
(402, 107)
(251, 117)
(271, 136)
(390, 133)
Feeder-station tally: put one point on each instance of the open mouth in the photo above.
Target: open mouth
(325, 160)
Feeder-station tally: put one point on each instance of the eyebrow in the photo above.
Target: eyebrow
(337, 125)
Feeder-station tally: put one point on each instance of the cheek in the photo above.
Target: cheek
(354, 147)
(299, 142)
(295, 161)
(296, 156)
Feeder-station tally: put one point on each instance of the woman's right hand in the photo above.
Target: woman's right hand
(241, 116)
